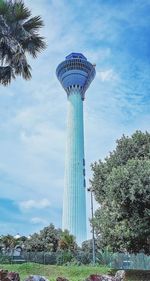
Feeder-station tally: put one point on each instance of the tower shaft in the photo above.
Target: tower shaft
(74, 204)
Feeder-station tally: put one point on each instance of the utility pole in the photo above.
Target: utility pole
(93, 230)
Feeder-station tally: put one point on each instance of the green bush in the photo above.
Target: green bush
(104, 257)
(5, 259)
(84, 257)
(64, 257)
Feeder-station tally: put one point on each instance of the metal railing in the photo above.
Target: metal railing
(124, 260)
(113, 260)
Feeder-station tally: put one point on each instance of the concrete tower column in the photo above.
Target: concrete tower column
(74, 204)
(75, 74)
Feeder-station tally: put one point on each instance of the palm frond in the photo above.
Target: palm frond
(4, 52)
(33, 24)
(23, 69)
(6, 73)
(10, 46)
(26, 73)
(4, 28)
(21, 34)
(20, 12)
(3, 7)
(20, 66)
(34, 45)
(18, 35)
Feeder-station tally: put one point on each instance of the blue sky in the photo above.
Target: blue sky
(116, 36)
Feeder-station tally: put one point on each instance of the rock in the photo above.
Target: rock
(13, 276)
(120, 276)
(96, 277)
(61, 279)
(3, 274)
(9, 276)
(36, 278)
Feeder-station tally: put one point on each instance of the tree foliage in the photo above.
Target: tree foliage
(46, 240)
(49, 239)
(7, 243)
(121, 184)
(18, 37)
(67, 241)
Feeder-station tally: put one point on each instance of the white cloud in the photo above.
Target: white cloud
(35, 204)
(107, 75)
(37, 220)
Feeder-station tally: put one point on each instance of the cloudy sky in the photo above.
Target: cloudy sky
(116, 36)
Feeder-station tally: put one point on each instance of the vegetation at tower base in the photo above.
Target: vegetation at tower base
(49, 246)
(50, 239)
(18, 37)
(121, 185)
(46, 240)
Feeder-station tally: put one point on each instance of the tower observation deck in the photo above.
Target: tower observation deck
(75, 75)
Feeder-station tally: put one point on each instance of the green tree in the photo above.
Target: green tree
(121, 184)
(67, 241)
(8, 243)
(46, 240)
(18, 37)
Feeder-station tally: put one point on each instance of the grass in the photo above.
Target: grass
(72, 273)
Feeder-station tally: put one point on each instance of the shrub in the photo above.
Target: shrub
(84, 257)
(5, 259)
(64, 257)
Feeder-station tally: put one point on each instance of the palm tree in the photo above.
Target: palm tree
(67, 241)
(18, 36)
(8, 242)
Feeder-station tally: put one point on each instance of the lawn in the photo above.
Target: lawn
(73, 273)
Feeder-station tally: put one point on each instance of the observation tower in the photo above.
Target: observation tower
(75, 75)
